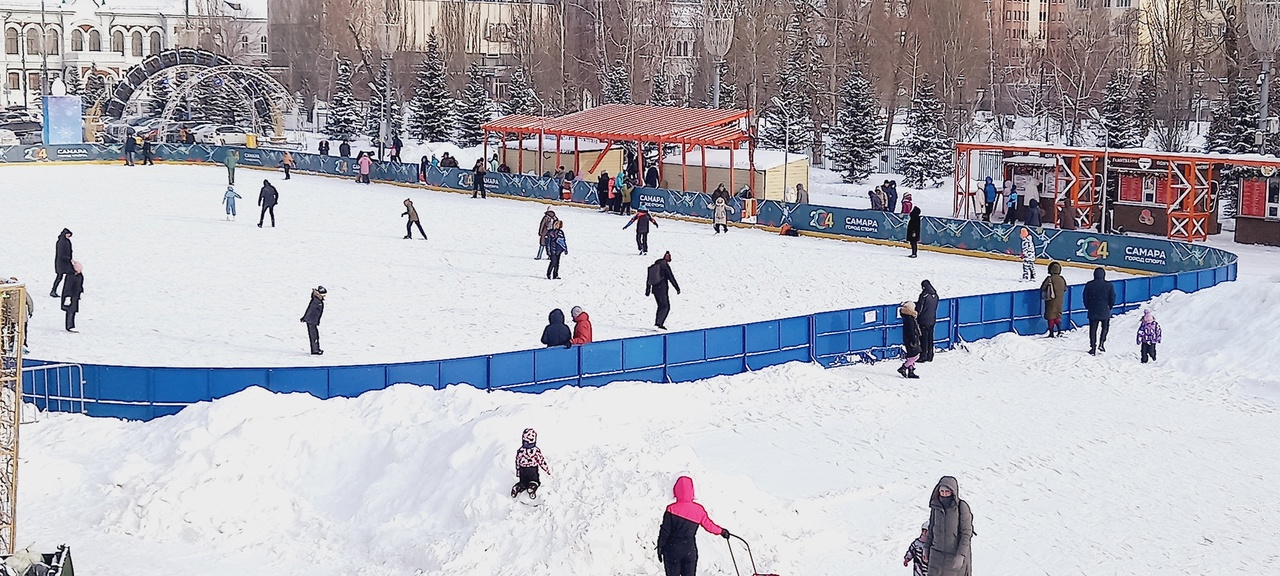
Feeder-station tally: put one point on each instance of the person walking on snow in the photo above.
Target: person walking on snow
(548, 220)
(1028, 256)
(130, 145)
(268, 197)
(720, 215)
(286, 162)
(477, 179)
(366, 166)
(913, 230)
(581, 326)
(71, 292)
(677, 537)
(659, 276)
(642, 220)
(315, 309)
(916, 553)
(1054, 291)
(229, 201)
(1148, 336)
(528, 460)
(1099, 298)
(910, 340)
(62, 263)
(556, 245)
(147, 159)
(396, 145)
(557, 332)
(947, 550)
(926, 318)
(230, 161)
(412, 213)
(989, 193)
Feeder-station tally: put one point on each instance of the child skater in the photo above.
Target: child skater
(720, 215)
(229, 199)
(1028, 257)
(528, 460)
(1148, 336)
(916, 553)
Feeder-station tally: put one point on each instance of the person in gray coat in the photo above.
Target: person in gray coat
(950, 529)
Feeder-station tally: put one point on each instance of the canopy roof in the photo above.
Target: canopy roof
(635, 123)
(1254, 160)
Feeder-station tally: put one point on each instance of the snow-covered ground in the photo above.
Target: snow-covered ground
(168, 281)
(827, 188)
(1072, 465)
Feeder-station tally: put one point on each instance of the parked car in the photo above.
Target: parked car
(8, 138)
(224, 136)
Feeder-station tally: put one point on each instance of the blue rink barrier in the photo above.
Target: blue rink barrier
(834, 338)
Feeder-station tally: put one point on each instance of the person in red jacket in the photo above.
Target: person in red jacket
(581, 326)
(677, 547)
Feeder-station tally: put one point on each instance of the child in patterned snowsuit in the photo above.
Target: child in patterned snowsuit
(916, 552)
(528, 460)
(1028, 256)
(1148, 336)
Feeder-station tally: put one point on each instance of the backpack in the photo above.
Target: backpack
(655, 274)
(1047, 293)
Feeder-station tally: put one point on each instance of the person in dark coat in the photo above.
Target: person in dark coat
(1054, 292)
(927, 318)
(423, 164)
(602, 190)
(556, 246)
(146, 153)
(1011, 204)
(130, 146)
(71, 291)
(344, 149)
(267, 199)
(651, 176)
(947, 548)
(891, 192)
(989, 193)
(1033, 212)
(556, 333)
(910, 339)
(477, 178)
(642, 220)
(677, 537)
(62, 263)
(315, 309)
(324, 147)
(412, 213)
(659, 276)
(396, 145)
(1099, 298)
(913, 230)
(1066, 215)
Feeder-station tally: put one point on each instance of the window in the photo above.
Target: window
(1148, 190)
(53, 42)
(136, 41)
(15, 80)
(77, 40)
(33, 41)
(1124, 3)
(10, 41)
(155, 43)
(33, 81)
(262, 45)
(95, 41)
(1273, 198)
(117, 42)
(244, 44)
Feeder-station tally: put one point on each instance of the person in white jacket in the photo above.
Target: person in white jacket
(720, 215)
(1028, 256)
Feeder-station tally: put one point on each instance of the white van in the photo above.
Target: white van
(8, 138)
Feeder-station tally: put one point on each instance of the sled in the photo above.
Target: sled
(754, 570)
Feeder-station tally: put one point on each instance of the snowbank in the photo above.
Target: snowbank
(549, 144)
(719, 158)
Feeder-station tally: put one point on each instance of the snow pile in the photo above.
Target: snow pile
(829, 189)
(1089, 465)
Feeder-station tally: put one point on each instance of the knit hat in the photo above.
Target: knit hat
(667, 256)
(924, 526)
(321, 290)
(1024, 233)
(574, 312)
(529, 437)
(1147, 316)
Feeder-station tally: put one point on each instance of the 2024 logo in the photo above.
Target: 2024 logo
(1091, 249)
(821, 219)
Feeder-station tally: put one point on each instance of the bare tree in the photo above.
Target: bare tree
(1081, 61)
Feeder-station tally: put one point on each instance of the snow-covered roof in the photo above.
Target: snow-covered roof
(549, 144)
(719, 158)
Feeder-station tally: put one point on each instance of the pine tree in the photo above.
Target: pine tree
(431, 109)
(927, 150)
(521, 99)
(161, 89)
(615, 83)
(473, 109)
(72, 80)
(95, 89)
(1144, 104)
(381, 96)
(791, 125)
(1118, 122)
(728, 90)
(858, 129)
(1233, 130)
(1221, 136)
(344, 117)
(661, 95)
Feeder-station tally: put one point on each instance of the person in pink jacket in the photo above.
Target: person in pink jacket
(366, 163)
(677, 546)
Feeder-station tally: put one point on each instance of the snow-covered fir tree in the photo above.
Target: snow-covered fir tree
(473, 109)
(615, 83)
(344, 116)
(218, 102)
(1118, 121)
(791, 124)
(1233, 130)
(927, 150)
(521, 99)
(1144, 107)
(1221, 135)
(381, 96)
(728, 90)
(431, 109)
(161, 89)
(858, 129)
(95, 89)
(661, 95)
(72, 79)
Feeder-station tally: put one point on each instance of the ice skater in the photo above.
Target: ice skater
(71, 291)
(130, 145)
(286, 162)
(1028, 257)
(720, 215)
(917, 554)
(229, 201)
(548, 220)
(528, 460)
(147, 159)
(910, 339)
(230, 161)
(677, 537)
(659, 276)
(913, 228)
(1148, 336)
(268, 197)
(366, 166)
(62, 263)
(642, 220)
(315, 309)
(477, 179)
(556, 245)
(413, 219)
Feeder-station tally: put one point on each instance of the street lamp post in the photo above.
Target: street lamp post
(44, 54)
(388, 44)
(786, 148)
(1106, 150)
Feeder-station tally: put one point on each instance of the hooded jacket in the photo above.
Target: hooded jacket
(1149, 329)
(365, 163)
(581, 329)
(557, 332)
(1053, 306)
(989, 191)
(910, 330)
(680, 522)
(229, 197)
(62, 255)
(410, 211)
(1099, 296)
(268, 197)
(71, 291)
(1033, 212)
(529, 455)
(548, 219)
(927, 304)
(950, 530)
(913, 226)
(315, 309)
(1028, 249)
(642, 220)
(720, 211)
(659, 276)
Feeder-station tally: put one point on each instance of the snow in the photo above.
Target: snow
(1072, 465)
(719, 158)
(827, 188)
(168, 281)
(549, 144)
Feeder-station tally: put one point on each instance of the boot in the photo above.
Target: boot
(911, 373)
(902, 370)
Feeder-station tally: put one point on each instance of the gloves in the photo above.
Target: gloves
(958, 563)
(677, 291)
(906, 561)
(659, 556)
(724, 534)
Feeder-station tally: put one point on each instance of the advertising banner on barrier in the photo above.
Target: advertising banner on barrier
(695, 204)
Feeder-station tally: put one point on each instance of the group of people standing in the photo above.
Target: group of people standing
(885, 198)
